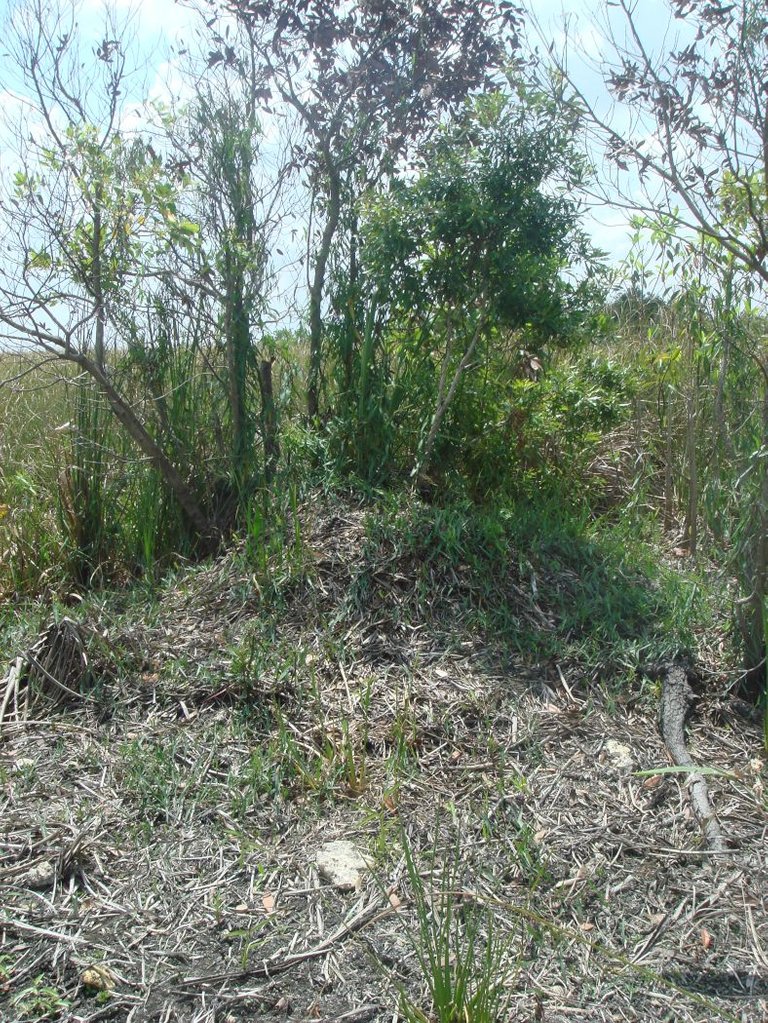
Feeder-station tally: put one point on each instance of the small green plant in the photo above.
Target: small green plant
(6, 972)
(165, 783)
(462, 958)
(404, 737)
(152, 777)
(354, 767)
(217, 905)
(38, 1001)
(251, 944)
(261, 653)
(27, 773)
(528, 854)
(274, 547)
(263, 778)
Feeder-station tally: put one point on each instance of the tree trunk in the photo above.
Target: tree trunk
(669, 490)
(753, 613)
(351, 312)
(238, 342)
(444, 400)
(691, 531)
(97, 289)
(317, 289)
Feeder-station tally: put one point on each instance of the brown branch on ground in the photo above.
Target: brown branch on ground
(373, 911)
(676, 700)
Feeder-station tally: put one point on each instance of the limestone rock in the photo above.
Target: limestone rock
(342, 864)
(619, 754)
(40, 876)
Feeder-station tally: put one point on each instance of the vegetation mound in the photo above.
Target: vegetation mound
(374, 680)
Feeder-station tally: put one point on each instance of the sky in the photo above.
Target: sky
(582, 30)
(163, 29)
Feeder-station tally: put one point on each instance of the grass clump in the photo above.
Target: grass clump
(544, 580)
(165, 780)
(464, 962)
(39, 1000)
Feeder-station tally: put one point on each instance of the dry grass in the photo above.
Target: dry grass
(163, 832)
(34, 439)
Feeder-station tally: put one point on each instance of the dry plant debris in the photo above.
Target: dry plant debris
(53, 670)
(159, 848)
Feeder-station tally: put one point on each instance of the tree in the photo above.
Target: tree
(689, 132)
(485, 243)
(238, 199)
(688, 139)
(86, 214)
(365, 80)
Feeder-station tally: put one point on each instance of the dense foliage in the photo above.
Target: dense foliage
(453, 337)
(467, 268)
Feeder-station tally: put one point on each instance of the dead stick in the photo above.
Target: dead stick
(676, 700)
(12, 681)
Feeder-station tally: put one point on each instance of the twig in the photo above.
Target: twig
(19, 925)
(359, 1015)
(12, 684)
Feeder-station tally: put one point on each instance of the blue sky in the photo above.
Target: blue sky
(160, 26)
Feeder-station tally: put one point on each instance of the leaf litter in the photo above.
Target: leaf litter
(160, 836)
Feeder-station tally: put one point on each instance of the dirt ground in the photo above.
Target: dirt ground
(159, 835)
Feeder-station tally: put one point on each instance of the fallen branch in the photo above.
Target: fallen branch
(12, 690)
(676, 701)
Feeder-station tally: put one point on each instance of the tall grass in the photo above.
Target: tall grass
(82, 507)
(699, 443)
(80, 504)
(34, 420)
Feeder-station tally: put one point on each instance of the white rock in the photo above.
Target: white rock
(620, 754)
(41, 875)
(342, 864)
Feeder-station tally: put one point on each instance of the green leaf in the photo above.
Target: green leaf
(38, 260)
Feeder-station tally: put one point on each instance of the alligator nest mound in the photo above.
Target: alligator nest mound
(515, 836)
(53, 672)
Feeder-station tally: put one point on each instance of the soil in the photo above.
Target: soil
(159, 835)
